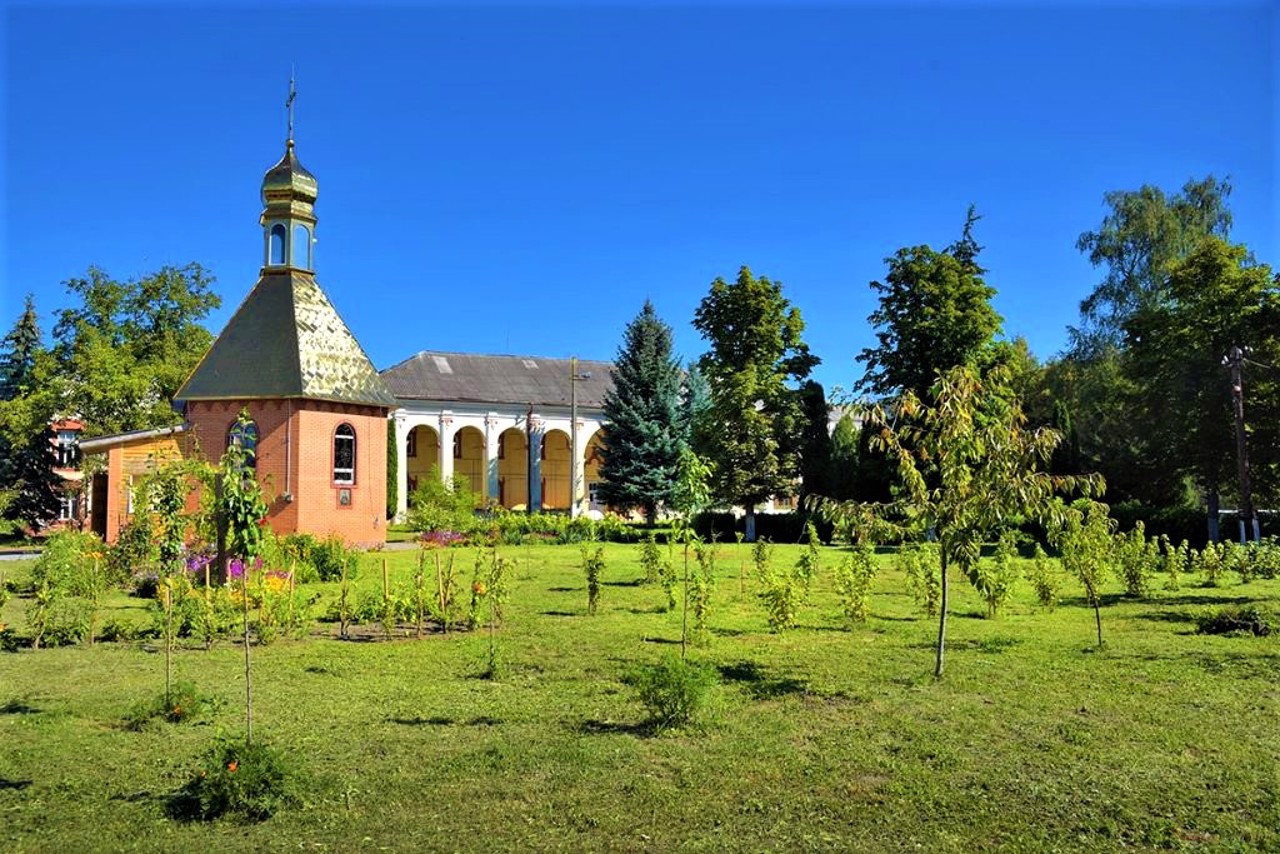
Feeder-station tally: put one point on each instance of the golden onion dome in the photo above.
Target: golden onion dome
(289, 180)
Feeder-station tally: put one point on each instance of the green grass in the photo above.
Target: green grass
(828, 737)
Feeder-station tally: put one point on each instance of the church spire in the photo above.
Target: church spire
(288, 197)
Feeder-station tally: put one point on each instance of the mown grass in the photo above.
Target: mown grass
(829, 737)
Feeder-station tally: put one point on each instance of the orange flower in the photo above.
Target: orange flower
(232, 766)
(177, 710)
(479, 589)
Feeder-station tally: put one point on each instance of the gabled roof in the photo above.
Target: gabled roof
(475, 378)
(286, 340)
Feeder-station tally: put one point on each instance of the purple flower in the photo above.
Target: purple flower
(236, 568)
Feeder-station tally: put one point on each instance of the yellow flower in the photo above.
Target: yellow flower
(479, 589)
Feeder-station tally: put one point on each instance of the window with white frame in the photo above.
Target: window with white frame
(66, 508)
(245, 435)
(344, 454)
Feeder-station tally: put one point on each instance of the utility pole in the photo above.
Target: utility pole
(1248, 516)
(575, 463)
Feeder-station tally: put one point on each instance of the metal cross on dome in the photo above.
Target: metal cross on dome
(288, 104)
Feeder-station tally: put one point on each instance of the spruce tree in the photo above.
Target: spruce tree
(643, 420)
(815, 441)
(26, 449)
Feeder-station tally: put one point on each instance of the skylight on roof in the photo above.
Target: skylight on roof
(442, 364)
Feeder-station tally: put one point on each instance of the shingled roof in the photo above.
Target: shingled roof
(475, 378)
(286, 340)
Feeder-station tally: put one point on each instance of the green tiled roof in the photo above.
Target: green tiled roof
(286, 340)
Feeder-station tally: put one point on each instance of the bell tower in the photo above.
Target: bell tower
(288, 215)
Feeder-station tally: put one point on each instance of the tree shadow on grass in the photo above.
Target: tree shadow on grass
(18, 707)
(675, 641)
(1192, 599)
(564, 589)
(594, 727)
(16, 785)
(560, 614)
(1167, 617)
(759, 683)
(439, 720)
(638, 582)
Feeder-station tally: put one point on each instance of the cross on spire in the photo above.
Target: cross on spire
(288, 104)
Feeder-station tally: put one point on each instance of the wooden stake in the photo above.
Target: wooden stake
(386, 590)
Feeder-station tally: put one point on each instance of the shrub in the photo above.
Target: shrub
(135, 551)
(651, 559)
(1045, 580)
(593, 565)
(1232, 620)
(1208, 561)
(921, 564)
(994, 579)
(854, 575)
(673, 691)
(701, 585)
(1137, 559)
(332, 558)
(248, 781)
(67, 583)
(439, 506)
(184, 704)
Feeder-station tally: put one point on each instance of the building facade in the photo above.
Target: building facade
(478, 416)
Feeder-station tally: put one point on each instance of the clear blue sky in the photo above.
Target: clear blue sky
(519, 178)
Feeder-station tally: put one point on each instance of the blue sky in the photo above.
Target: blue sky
(519, 178)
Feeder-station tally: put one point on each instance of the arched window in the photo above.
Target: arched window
(301, 247)
(245, 435)
(278, 235)
(344, 454)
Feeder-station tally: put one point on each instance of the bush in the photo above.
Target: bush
(777, 527)
(247, 781)
(673, 691)
(1231, 620)
(439, 506)
(331, 555)
(184, 704)
(135, 551)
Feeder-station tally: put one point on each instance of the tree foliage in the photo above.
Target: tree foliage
(968, 465)
(934, 313)
(644, 424)
(756, 349)
(125, 348)
(1142, 234)
(27, 407)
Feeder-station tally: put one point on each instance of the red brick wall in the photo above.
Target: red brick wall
(295, 458)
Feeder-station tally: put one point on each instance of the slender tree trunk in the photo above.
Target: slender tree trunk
(750, 525)
(684, 606)
(942, 621)
(168, 645)
(1097, 616)
(1213, 502)
(651, 514)
(248, 680)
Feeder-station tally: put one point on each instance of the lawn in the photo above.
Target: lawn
(828, 737)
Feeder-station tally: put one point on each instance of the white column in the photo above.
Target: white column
(446, 447)
(576, 468)
(402, 428)
(491, 435)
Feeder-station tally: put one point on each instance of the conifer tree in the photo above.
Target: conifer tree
(644, 425)
(26, 450)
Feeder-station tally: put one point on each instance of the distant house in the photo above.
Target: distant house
(476, 415)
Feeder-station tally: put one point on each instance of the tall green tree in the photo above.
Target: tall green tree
(841, 482)
(816, 476)
(934, 313)
(125, 348)
(756, 356)
(1213, 299)
(26, 411)
(644, 426)
(1143, 233)
(18, 353)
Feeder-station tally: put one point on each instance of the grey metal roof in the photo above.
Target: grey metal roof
(286, 340)
(477, 378)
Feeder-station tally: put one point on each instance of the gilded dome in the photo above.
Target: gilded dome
(288, 179)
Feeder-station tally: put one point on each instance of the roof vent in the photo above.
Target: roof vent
(530, 364)
(442, 364)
